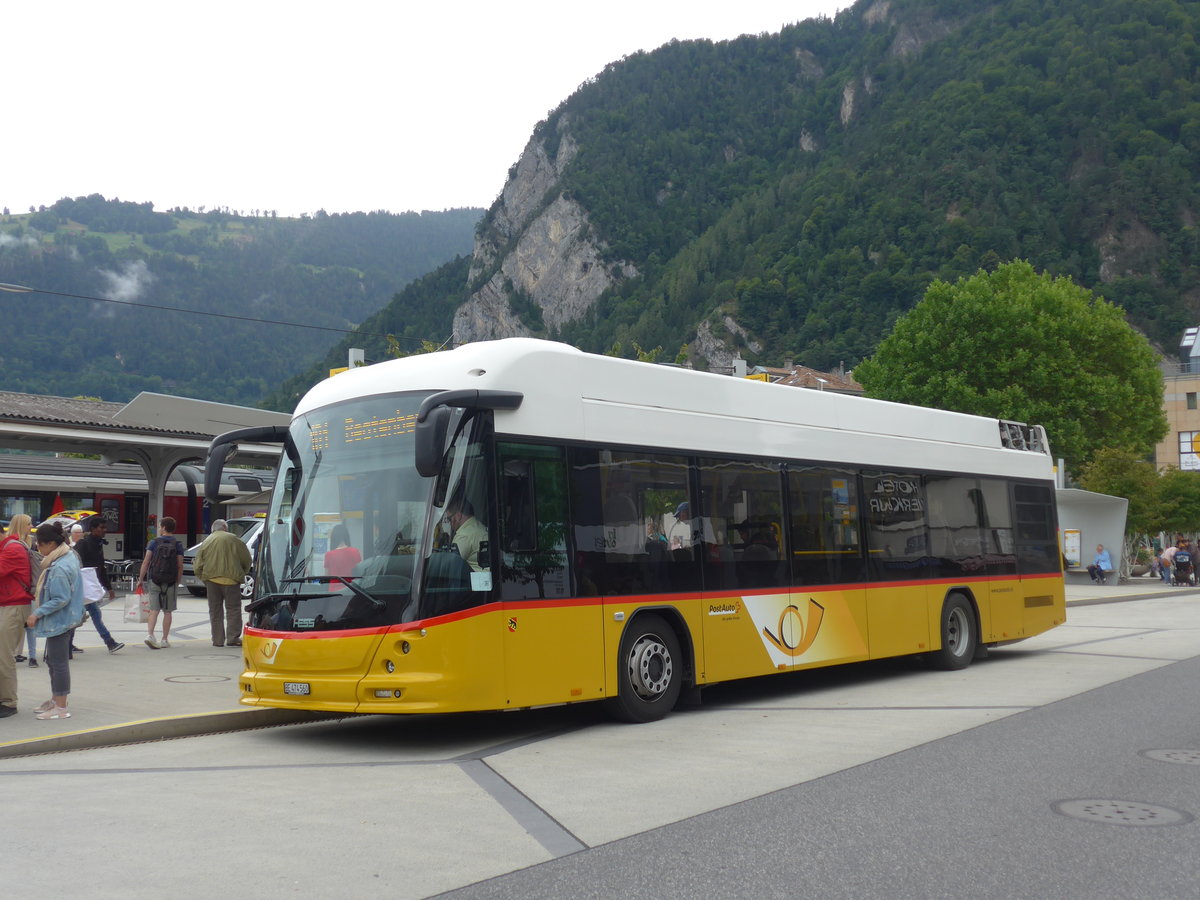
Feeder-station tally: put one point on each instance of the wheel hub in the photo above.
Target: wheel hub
(957, 632)
(650, 667)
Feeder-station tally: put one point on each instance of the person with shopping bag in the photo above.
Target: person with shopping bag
(97, 588)
(137, 606)
(59, 595)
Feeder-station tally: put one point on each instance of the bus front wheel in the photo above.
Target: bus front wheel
(959, 635)
(649, 671)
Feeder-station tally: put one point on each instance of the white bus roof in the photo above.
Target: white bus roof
(572, 395)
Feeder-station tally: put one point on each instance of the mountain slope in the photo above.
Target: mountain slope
(330, 271)
(789, 195)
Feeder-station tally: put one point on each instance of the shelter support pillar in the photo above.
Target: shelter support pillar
(157, 463)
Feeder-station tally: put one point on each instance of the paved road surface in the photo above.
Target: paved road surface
(845, 782)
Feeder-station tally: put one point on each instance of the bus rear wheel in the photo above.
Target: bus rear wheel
(649, 671)
(959, 635)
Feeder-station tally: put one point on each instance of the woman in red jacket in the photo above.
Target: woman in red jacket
(16, 595)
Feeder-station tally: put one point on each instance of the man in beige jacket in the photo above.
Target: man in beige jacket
(222, 563)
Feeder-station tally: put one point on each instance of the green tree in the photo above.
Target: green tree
(1119, 473)
(1016, 344)
(1179, 501)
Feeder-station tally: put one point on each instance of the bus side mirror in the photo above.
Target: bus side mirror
(223, 445)
(214, 467)
(430, 441)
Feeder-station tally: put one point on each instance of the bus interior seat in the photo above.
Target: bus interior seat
(385, 574)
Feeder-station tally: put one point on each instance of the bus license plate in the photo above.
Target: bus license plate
(296, 687)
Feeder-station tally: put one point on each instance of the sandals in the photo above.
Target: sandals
(55, 712)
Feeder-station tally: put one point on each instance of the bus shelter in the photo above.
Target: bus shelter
(1087, 519)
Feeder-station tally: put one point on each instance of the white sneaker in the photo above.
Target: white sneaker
(152, 643)
(164, 643)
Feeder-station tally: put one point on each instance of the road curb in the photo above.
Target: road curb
(1122, 598)
(162, 729)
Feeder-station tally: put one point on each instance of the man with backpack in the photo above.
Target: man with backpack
(164, 564)
(16, 596)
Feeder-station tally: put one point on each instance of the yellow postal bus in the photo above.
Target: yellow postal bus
(517, 523)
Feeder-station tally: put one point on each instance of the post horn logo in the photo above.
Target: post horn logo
(269, 649)
(794, 637)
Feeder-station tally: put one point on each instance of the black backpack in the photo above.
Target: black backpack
(164, 570)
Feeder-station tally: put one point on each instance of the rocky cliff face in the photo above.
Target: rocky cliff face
(716, 351)
(535, 257)
(537, 263)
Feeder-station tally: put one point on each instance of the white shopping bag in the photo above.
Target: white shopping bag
(137, 606)
(93, 590)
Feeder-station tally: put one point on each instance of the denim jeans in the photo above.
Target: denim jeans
(58, 650)
(94, 612)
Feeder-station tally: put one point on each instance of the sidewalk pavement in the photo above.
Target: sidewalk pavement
(140, 694)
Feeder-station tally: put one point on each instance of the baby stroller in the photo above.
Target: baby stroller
(1182, 569)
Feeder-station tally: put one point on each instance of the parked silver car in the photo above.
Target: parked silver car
(248, 529)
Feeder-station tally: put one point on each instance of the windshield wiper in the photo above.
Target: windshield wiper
(329, 579)
(268, 600)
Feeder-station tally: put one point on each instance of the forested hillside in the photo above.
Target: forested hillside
(326, 270)
(792, 194)
(1065, 132)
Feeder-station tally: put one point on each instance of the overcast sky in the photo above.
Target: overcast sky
(298, 106)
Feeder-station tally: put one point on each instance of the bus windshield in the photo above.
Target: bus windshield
(347, 522)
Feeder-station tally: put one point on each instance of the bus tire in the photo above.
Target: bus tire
(959, 635)
(649, 671)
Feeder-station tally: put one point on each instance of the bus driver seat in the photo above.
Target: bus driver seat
(447, 583)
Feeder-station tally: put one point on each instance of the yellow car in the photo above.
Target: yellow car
(69, 517)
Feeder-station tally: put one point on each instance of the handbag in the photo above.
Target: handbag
(137, 606)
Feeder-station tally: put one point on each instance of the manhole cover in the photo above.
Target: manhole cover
(1121, 812)
(1184, 757)
(196, 679)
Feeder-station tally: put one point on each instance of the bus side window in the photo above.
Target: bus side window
(615, 495)
(532, 548)
(520, 518)
(1036, 527)
(742, 524)
(955, 541)
(824, 514)
(996, 526)
(896, 535)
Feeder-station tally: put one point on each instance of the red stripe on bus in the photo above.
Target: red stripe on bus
(632, 599)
